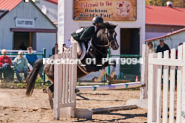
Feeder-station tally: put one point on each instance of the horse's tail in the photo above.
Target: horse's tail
(32, 77)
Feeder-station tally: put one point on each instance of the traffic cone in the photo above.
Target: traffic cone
(136, 79)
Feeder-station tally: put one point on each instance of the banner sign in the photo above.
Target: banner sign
(19, 22)
(110, 10)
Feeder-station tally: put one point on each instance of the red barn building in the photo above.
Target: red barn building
(162, 20)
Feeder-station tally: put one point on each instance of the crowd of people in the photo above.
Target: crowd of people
(22, 64)
(161, 47)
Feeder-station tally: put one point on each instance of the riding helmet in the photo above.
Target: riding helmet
(97, 20)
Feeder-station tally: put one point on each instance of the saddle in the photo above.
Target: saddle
(82, 48)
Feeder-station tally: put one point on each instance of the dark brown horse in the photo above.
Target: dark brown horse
(104, 38)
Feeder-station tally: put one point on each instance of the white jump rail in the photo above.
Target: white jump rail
(109, 87)
(156, 62)
(65, 77)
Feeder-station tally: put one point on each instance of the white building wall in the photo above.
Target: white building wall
(71, 26)
(52, 9)
(150, 35)
(26, 11)
(46, 41)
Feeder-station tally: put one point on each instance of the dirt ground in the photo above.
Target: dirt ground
(16, 107)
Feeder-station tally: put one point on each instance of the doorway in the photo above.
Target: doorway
(22, 40)
(130, 44)
(130, 41)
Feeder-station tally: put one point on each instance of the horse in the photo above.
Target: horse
(103, 39)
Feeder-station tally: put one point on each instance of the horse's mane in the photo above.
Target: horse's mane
(107, 25)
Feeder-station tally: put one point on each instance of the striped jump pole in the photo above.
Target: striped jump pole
(109, 87)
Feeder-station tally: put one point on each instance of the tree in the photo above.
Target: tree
(176, 3)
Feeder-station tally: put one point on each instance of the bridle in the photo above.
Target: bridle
(108, 45)
(109, 42)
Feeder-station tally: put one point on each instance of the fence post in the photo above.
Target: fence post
(144, 72)
(44, 56)
(108, 56)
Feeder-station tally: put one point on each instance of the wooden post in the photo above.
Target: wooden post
(179, 86)
(144, 72)
(57, 88)
(74, 78)
(183, 88)
(151, 100)
(165, 89)
(159, 74)
(172, 88)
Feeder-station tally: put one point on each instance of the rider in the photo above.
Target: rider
(87, 33)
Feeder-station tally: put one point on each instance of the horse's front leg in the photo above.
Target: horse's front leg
(102, 73)
(113, 72)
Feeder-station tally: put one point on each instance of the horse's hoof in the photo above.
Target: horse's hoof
(51, 96)
(44, 91)
(115, 77)
(109, 78)
(94, 79)
(76, 90)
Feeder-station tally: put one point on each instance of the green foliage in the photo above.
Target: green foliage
(39, 80)
(176, 3)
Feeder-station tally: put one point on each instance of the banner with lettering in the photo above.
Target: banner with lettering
(110, 10)
(21, 22)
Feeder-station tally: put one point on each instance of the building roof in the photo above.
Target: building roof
(9, 4)
(53, 1)
(160, 15)
(169, 34)
(155, 15)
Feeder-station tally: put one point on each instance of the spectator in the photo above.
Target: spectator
(177, 51)
(150, 45)
(5, 65)
(21, 65)
(22, 47)
(162, 47)
(32, 58)
(53, 50)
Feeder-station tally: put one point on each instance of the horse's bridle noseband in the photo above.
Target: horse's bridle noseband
(109, 42)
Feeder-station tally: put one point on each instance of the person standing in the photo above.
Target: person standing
(162, 47)
(21, 65)
(53, 50)
(152, 49)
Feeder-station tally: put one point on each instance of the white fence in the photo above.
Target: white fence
(65, 78)
(155, 63)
